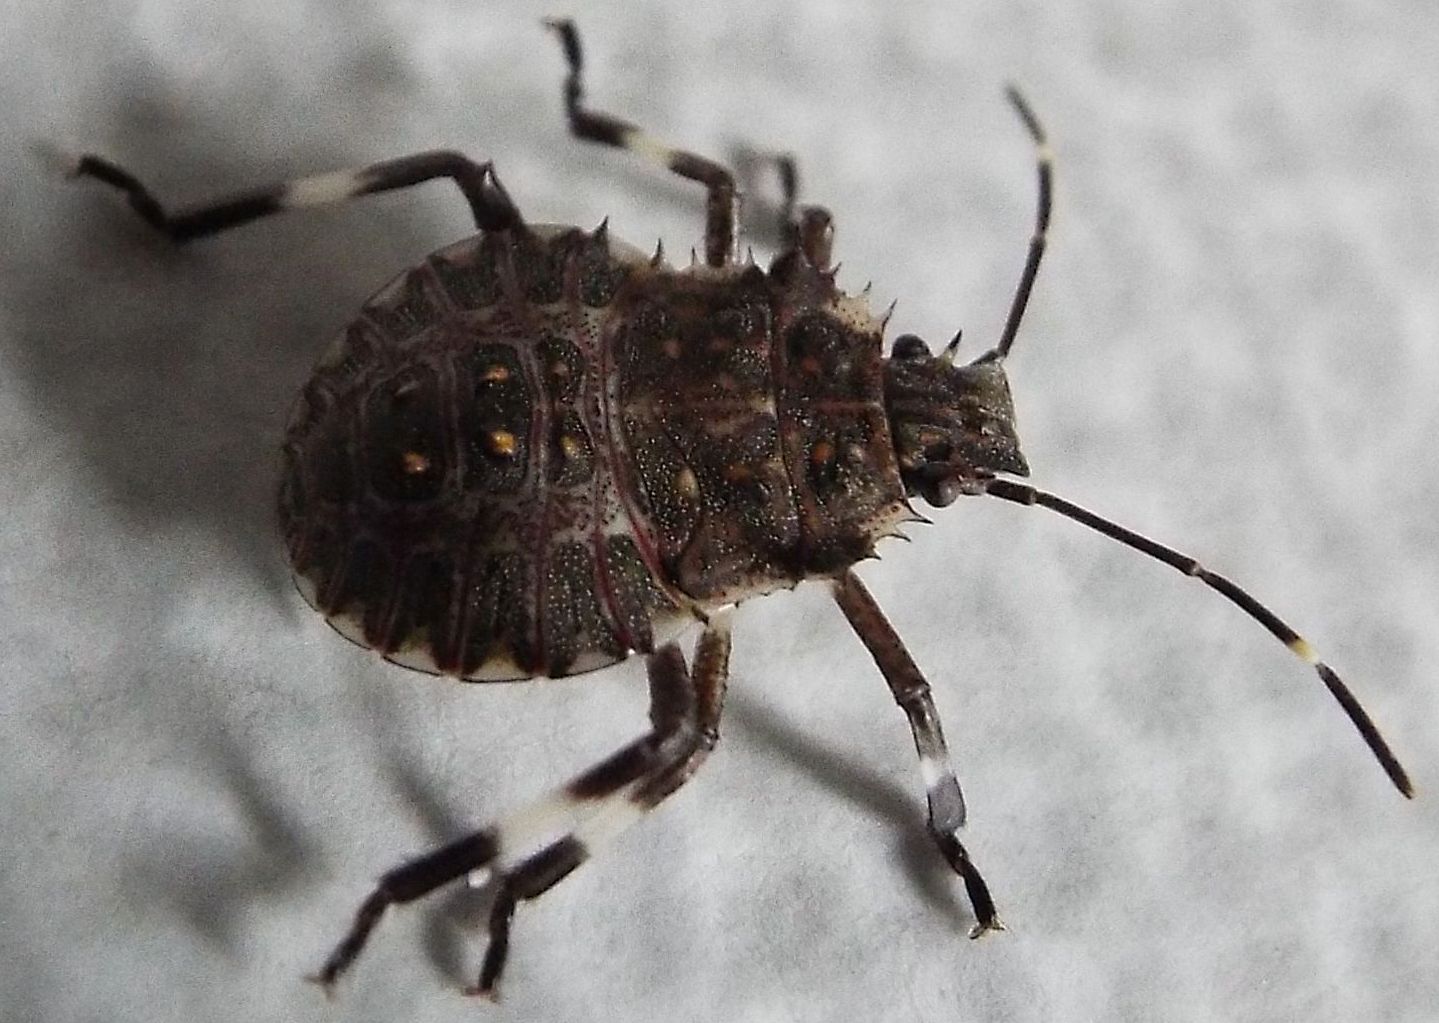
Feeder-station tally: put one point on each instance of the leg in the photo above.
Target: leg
(811, 231)
(606, 129)
(808, 230)
(595, 806)
(686, 713)
(911, 692)
(490, 204)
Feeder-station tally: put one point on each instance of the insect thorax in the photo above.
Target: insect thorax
(527, 450)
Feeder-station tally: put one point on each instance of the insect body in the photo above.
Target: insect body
(540, 451)
(528, 454)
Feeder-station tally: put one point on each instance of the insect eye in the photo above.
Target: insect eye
(909, 346)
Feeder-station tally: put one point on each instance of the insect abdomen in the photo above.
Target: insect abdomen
(448, 496)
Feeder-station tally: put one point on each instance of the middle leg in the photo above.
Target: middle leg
(606, 129)
(911, 692)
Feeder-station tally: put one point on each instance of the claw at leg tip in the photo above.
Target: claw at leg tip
(56, 160)
(327, 985)
(491, 994)
(981, 929)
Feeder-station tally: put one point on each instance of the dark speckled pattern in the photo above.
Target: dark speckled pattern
(527, 448)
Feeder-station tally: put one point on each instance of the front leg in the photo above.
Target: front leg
(911, 692)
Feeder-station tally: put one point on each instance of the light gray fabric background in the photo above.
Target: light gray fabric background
(1234, 345)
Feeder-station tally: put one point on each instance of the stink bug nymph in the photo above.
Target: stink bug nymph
(540, 451)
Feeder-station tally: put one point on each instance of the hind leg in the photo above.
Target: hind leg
(522, 853)
(487, 198)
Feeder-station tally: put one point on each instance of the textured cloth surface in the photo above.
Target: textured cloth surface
(1233, 346)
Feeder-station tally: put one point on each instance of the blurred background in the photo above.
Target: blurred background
(1231, 346)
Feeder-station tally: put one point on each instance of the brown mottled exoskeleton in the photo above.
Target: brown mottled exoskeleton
(541, 451)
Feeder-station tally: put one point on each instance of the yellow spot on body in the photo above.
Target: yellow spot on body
(822, 453)
(809, 364)
(570, 445)
(559, 369)
(1306, 652)
(501, 442)
(686, 483)
(737, 473)
(495, 374)
(414, 463)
